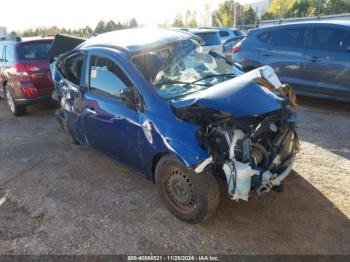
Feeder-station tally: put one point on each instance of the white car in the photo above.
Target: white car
(210, 38)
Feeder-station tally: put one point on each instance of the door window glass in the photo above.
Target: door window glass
(330, 39)
(289, 37)
(73, 67)
(106, 77)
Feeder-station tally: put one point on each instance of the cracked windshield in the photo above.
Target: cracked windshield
(184, 68)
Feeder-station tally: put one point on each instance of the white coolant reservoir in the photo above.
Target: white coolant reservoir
(244, 175)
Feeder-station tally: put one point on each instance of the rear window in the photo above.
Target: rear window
(33, 51)
(238, 32)
(210, 38)
(224, 33)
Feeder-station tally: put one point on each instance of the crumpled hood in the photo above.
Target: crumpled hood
(239, 96)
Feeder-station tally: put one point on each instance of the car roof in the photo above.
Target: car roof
(138, 40)
(308, 23)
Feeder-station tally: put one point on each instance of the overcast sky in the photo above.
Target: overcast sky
(78, 13)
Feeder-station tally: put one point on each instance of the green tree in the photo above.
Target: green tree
(299, 9)
(192, 19)
(280, 8)
(267, 16)
(179, 21)
(100, 27)
(223, 16)
(110, 26)
(133, 23)
(249, 16)
(337, 7)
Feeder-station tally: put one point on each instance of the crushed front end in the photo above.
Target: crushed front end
(251, 153)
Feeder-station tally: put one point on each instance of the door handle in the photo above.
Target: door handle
(90, 111)
(314, 59)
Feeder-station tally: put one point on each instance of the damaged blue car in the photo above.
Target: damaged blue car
(155, 101)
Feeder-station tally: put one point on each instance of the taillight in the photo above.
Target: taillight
(30, 91)
(236, 49)
(20, 71)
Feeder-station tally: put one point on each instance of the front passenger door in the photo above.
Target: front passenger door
(111, 122)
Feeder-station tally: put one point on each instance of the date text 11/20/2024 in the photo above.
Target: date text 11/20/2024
(173, 258)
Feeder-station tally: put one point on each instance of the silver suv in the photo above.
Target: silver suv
(314, 57)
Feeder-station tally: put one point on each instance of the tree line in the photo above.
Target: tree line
(222, 16)
(303, 8)
(86, 31)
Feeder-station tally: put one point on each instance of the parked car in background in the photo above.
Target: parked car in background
(228, 45)
(25, 76)
(226, 33)
(314, 57)
(210, 37)
(155, 101)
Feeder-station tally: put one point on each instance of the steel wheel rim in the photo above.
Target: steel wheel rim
(180, 190)
(10, 101)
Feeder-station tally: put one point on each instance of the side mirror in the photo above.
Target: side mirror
(127, 96)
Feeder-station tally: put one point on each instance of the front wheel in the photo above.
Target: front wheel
(189, 196)
(15, 109)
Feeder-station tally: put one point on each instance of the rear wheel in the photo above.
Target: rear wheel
(189, 196)
(15, 109)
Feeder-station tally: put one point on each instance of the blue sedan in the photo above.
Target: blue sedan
(155, 101)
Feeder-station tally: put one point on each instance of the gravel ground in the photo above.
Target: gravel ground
(57, 198)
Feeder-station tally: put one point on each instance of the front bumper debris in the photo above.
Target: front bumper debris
(275, 179)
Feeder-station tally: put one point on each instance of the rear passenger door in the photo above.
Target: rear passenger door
(327, 67)
(112, 124)
(71, 91)
(285, 53)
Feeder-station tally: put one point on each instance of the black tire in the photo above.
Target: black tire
(17, 110)
(199, 197)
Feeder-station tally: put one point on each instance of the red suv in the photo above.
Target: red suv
(25, 76)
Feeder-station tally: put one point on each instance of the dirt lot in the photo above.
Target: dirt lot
(57, 198)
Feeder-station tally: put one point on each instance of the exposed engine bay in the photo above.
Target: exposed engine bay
(254, 152)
